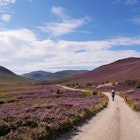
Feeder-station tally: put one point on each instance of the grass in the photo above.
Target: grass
(3, 100)
(36, 102)
(36, 107)
(87, 94)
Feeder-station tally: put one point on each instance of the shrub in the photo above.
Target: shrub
(95, 93)
(113, 84)
(4, 129)
(89, 84)
(86, 94)
(137, 85)
(1, 102)
(58, 91)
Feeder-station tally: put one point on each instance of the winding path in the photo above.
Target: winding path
(116, 122)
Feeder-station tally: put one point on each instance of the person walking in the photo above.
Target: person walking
(113, 95)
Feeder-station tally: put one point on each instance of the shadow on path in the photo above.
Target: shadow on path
(68, 135)
(74, 130)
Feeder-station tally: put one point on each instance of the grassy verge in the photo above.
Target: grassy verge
(81, 117)
(132, 98)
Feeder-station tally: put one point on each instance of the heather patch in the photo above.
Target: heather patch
(42, 112)
(133, 99)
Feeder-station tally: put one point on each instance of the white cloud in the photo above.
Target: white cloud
(6, 2)
(4, 6)
(131, 2)
(6, 17)
(136, 20)
(21, 51)
(59, 11)
(65, 26)
(126, 2)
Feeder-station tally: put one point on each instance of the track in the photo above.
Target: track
(116, 122)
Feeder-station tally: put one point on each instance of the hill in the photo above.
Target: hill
(120, 70)
(8, 77)
(36, 75)
(47, 76)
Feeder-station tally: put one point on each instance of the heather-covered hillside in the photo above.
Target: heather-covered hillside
(117, 71)
(8, 77)
(43, 112)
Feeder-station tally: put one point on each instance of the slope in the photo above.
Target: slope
(8, 77)
(36, 75)
(120, 70)
(47, 76)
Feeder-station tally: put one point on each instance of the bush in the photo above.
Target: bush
(4, 129)
(89, 84)
(137, 85)
(113, 84)
(1, 102)
(58, 91)
(87, 94)
(95, 93)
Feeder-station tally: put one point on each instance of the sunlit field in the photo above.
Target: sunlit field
(41, 112)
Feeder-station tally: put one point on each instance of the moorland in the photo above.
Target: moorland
(38, 110)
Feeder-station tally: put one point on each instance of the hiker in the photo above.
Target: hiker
(113, 95)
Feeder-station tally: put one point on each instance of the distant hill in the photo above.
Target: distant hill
(8, 77)
(124, 69)
(36, 75)
(47, 76)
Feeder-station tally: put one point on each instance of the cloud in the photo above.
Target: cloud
(131, 2)
(6, 17)
(21, 51)
(136, 20)
(6, 2)
(4, 5)
(126, 2)
(65, 25)
(60, 12)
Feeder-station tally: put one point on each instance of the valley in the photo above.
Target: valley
(70, 108)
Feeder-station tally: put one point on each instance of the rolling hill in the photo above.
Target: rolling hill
(47, 76)
(8, 77)
(36, 75)
(120, 70)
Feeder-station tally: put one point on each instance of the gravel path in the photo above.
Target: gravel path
(116, 122)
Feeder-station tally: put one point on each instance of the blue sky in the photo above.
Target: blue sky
(54, 35)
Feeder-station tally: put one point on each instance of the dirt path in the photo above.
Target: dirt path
(116, 122)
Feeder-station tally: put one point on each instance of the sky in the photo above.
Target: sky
(55, 35)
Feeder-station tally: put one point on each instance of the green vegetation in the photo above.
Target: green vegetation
(58, 91)
(87, 94)
(42, 112)
(3, 100)
(137, 85)
(89, 84)
(95, 93)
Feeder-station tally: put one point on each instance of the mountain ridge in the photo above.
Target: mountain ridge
(48, 76)
(124, 69)
(8, 77)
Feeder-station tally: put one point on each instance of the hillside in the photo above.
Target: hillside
(36, 75)
(47, 76)
(8, 77)
(124, 69)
